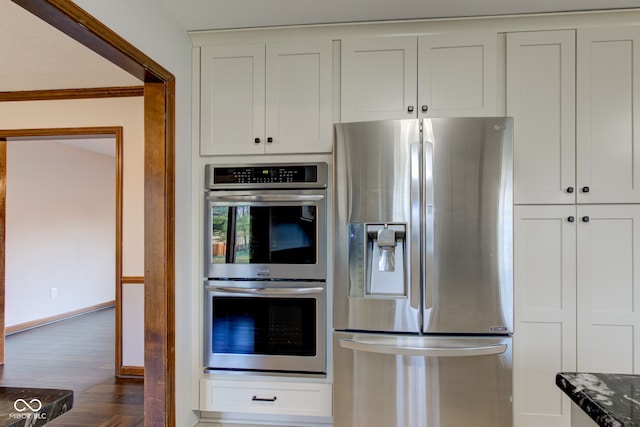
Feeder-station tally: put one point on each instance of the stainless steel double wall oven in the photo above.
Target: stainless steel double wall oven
(265, 264)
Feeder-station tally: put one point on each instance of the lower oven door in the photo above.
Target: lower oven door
(265, 326)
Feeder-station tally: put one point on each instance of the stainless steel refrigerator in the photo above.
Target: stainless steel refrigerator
(422, 298)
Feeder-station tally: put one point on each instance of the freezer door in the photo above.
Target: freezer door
(400, 381)
(468, 214)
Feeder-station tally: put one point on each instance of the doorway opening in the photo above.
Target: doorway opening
(77, 210)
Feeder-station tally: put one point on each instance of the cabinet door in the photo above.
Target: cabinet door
(458, 75)
(545, 312)
(232, 99)
(298, 116)
(379, 78)
(608, 113)
(609, 288)
(541, 99)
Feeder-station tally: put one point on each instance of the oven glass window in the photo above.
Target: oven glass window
(264, 235)
(267, 326)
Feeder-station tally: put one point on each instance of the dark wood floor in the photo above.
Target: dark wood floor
(76, 354)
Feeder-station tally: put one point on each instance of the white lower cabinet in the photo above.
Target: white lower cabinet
(266, 397)
(545, 313)
(609, 289)
(577, 301)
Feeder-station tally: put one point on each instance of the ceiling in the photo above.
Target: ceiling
(217, 14)
(35, 56)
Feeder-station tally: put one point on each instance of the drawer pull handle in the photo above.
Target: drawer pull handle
(264, 399)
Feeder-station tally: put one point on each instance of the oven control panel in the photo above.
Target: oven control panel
(306, 175)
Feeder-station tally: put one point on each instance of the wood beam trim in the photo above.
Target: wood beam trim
(95, 130)
(82, 27)
(58, 94)
(159, 258)
(3, 199)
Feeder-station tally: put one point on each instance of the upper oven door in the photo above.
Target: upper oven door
(266, 234)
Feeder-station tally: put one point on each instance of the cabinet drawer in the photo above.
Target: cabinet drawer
(257, 397)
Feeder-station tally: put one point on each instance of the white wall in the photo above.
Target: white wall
(147, 25)
(125, 112)
(60, 230)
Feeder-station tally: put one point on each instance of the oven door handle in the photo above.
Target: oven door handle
(267, 291)
(266, 198)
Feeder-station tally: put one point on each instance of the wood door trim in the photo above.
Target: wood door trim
(57, 94)
(159, 112)
(3, 199)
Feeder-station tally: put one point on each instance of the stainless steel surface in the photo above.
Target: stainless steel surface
(243, 198)
(452, 389)
(450, 182)
(265, 198)
(469, 216)
(372, 164)
(423, 347)
(266, 290)
(268, 362)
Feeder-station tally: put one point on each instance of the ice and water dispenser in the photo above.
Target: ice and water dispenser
(377, 259)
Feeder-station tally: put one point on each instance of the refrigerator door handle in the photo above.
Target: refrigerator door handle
(415, 228)
(371, 347)
(428, 210)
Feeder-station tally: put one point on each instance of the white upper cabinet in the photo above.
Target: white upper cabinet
(427, 76)
(232, 99)
(266, 99)
(458, 75)
(379, 78)
(608, 115)
(541, 99)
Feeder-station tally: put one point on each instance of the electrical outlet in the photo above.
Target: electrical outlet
(54, 292)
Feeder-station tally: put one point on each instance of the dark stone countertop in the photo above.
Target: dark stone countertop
(23, 406)
(611, 400)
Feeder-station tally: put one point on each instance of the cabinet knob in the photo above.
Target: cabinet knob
(424, 108)
(570, 190)
(585, 219)
(269, 140)
(585, 189)
(257, 140)
(410, 109)
(571, 219)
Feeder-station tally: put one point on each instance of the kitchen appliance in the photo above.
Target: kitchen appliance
(266, 221)
(265, 263)
(423, 311)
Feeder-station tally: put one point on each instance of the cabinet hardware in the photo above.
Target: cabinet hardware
(425, 108)
(570, 190)
(257, 140)
(585, 219)
(410, 108)
(585, 189)
(571, 219)
(264, 399)
(269, 140)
